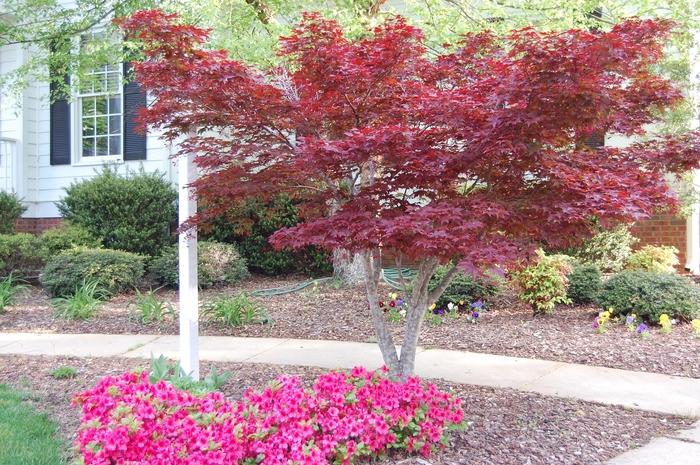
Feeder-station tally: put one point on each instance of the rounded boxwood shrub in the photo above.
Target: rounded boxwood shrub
(113, 270)
(20, 255)
(649, 295)
(585, 283)
(65, 237)
(250, 224)
(218, 264)
(11, 209)
(133, 212)
(463, 288)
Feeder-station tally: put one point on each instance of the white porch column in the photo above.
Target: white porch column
(693, 233)
(189, 292)
(693, 221)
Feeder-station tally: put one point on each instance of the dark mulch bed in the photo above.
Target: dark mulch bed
(510, 427)
(342, 314)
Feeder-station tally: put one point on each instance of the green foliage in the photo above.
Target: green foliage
(173, 373)
(236, 310)
(113, 271)
(218, 264)
(543, 285)
(20, 255)
(65, 237)
(9, 288)
(463, 288)
(585, 284)
(11, 209)
(133, 212)
(654, 258)
(609, 250)
(249, 226)
(649, 295)
(64, 372)
(82, 303)
(27, 437)
(150, 308)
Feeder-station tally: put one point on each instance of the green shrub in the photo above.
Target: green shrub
(11, 210)
(132, 213)
(20, 255)
(249, 226)
(112, 270)
(64, 372)
(608, 250)
(543, 285)
(236, 310)
(649, 295)
(162, 370)
(585, 283)
(9, 288)
(218, 264)
(64, 237)
(82, 303)
(654, 258)
(463, 288)
(150, 308)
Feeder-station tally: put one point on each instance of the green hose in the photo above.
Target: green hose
(391, 276)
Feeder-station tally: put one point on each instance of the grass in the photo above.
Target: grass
(64, 372)
(82, 304)
(9, 288)
(26, 436)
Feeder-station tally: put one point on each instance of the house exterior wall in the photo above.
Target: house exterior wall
(663, 230)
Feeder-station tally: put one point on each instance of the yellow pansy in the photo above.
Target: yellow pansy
(432, 307)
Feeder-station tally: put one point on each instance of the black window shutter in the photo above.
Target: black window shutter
(134, 98)
(59, 125)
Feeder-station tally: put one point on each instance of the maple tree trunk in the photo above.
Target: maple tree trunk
(348, 268)
(371, 264)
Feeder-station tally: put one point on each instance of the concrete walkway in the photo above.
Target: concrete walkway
(645, 391)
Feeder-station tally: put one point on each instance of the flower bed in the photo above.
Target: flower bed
(342, 418)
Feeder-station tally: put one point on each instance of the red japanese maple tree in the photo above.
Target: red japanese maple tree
(473, 157)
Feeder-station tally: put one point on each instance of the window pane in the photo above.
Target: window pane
(88, 147)
(101, 126)
(88, 106)
(115, 104)
(115, 124)
(88, 126)
(101, 105)
(101, 146)
(112, 82)
(114, 145)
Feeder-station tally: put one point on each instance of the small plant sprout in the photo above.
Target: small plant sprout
(83, 303)
(666, 324)
(9, 288)
(600, 324)
(150, 308)
(695, 324)
(643, 330)
(64, 372)
(162, 370)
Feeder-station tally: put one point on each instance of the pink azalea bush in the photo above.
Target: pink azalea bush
(128, 420)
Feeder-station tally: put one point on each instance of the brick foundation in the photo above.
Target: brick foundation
(663, 230)
(36, 225)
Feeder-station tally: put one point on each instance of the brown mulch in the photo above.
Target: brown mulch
(509, 427)
(509, 328)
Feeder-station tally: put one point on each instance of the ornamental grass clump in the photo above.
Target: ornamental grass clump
(342, 418)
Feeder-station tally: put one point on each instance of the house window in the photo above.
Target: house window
(100, 114)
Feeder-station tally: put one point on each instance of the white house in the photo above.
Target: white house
(45, 147)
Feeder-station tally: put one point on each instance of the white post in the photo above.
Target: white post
(189, 292)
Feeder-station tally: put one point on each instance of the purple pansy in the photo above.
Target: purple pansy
(642, 328)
